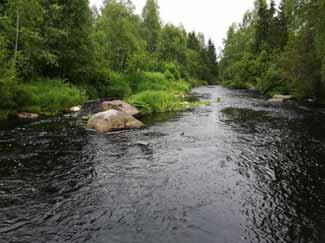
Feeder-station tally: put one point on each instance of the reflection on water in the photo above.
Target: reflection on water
(238, 170)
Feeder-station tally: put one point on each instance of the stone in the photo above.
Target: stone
(112, 120)
(119, 105)
(280, 98)
(27, 116)
(283, 97)
(75, 109)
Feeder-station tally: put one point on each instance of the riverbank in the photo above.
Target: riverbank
(149, 92)
(273, 93)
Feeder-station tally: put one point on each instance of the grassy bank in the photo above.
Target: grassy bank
(149, 91)
(44, 97)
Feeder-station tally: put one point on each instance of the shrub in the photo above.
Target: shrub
(118, 86)
(142, 81)
(180, 86)
(173, 70)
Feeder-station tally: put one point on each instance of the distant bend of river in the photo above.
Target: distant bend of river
(239, 170)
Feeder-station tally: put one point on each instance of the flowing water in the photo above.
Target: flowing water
(239, 170)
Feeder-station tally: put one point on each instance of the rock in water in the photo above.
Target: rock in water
(280, 98)
(119, 105)
(27, 116)
(111, 120)
(75, 109)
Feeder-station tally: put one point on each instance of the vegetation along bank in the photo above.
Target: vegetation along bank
(57, 54)
(278, 50)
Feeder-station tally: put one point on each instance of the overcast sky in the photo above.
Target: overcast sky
(211, 17)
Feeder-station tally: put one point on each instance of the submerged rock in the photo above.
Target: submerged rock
(111, 120)
(27, 116)
(119, 105)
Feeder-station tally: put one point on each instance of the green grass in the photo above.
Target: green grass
(49, 96)
(161, 101)
(155, 101)
(151, 92)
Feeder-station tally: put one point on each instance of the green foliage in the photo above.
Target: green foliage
(118, 35)
(47, 96)
(7, 79)
(155, 101)
(278, 51)
(142, 81)
(110, 53)
(151, 25)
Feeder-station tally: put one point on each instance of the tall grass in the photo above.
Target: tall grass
(155, 101)
(161, 101)
(48, 96)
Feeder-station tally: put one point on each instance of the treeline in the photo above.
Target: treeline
(109, 53)
(278, 49)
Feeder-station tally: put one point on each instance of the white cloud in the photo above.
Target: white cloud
(211, 17)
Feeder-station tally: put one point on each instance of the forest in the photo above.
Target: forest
(278, 49)
(58, 53)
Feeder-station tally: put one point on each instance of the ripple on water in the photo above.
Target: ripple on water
(238, 170)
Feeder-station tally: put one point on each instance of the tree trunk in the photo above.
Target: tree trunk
(17, 33)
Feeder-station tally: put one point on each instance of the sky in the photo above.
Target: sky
(211, 17)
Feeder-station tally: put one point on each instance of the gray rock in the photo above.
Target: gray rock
(27, 116)
(111, 120)
(119, 105)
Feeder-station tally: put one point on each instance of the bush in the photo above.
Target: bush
(180, 86)
(117, 86)
(7, 89)
(143, 81)
(7, 78)
(48, 96)
(173, 70)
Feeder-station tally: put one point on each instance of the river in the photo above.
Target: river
(238, 170)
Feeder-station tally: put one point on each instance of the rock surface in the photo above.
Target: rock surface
(111, 120)
(27, 116)
(75, 109)
(119, 105)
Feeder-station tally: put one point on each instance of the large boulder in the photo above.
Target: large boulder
(111, 120)
(119, 105)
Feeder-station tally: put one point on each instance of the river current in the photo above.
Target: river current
(238, 170)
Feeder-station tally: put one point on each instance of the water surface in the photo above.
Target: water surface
(239, 170)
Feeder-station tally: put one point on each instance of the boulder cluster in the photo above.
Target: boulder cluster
(115, 115)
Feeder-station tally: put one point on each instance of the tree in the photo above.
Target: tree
(7, 77)
(151, 25)
(262, 25)
(173, 44)
(212, 62)
(23, 19)
(67, 46)
(118, 35)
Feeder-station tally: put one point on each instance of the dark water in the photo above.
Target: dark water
(235, 171)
